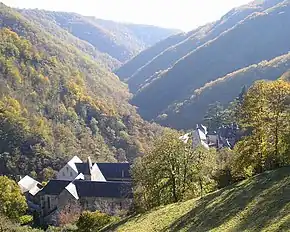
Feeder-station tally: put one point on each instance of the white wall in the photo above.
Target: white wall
(96, 174)
(66, 173)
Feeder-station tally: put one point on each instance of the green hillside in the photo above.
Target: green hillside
(182, 45)
(230, 51)
(118, 40)
(137, 62)
(261, 203)
(56, 102)
(45, 21)
(183, 114)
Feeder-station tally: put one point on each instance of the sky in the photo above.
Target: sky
(180, 14)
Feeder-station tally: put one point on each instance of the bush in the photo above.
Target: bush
(93, 221)
(12, 202)
(25, 219)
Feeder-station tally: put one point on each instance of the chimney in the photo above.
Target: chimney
(90, 163)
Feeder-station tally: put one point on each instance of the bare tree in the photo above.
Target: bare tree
(70, 213)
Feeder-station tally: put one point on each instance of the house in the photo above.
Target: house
(91, 186)
(199, 137)
(227, 136)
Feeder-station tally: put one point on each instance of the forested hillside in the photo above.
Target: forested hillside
(185, 43)
(126, 71)
(223, 90)
(164, 86)
(118, 40)
(57, 102)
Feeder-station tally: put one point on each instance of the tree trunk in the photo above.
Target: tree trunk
(201, 187)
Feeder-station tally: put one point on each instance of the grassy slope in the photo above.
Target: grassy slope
(261, 203)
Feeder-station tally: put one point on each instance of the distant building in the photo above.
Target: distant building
(226, 136)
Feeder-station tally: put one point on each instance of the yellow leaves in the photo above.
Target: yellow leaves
(10, 105)
(12, 202)
(7, 33)
(76, 89)
(41, 127)
(266, 114)
(42, 79)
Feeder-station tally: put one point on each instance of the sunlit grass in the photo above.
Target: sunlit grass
(261, 203)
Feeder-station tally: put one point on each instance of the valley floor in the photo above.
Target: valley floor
(261, 203)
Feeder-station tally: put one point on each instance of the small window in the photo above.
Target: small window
(48, 202)
(71, 174)
(63, 173)
(123, 174)
(66, 169)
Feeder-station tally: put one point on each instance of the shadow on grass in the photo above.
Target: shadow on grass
(113, 226)
(254, 203)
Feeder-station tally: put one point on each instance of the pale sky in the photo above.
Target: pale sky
(181, 14)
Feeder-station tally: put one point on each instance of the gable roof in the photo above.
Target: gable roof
(28, 184)
(83, 168)
(111, 189)
(55, 187)
(113, 171)
(73, 161)
(82, 188)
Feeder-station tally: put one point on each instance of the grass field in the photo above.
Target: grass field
(261, 203)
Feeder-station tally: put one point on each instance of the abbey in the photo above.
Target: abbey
(90, 186)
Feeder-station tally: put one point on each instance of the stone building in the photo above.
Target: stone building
(91, 186)
(226, 136)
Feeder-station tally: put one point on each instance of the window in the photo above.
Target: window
(63, 173)
(48, 202)
(71, 174)
(123, 174)
(66, 169)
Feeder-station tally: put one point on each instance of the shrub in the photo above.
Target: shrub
(93, 221)
(25, 219)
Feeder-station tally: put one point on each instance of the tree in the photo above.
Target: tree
(170, 172)
(278, 93)
(13, 203)
(265, 118)
(69, 214)
(205, 165)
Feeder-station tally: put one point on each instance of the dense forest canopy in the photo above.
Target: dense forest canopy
(57, 102)
(118, 41)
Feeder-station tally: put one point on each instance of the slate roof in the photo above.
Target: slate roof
(55, 187)
(113, 171)
(83, 168)
(111, 189)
